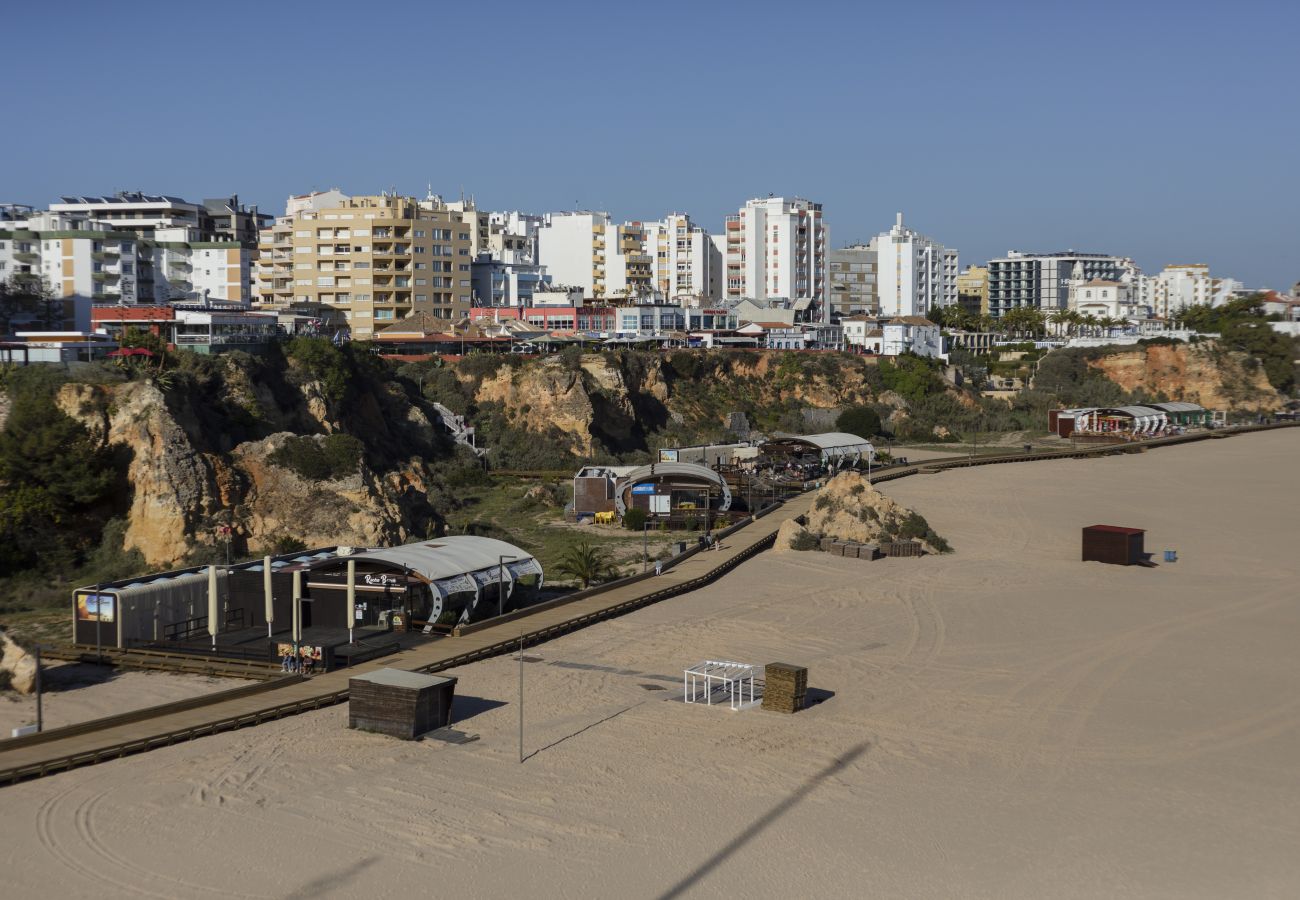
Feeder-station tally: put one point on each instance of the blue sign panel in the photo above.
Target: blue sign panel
(643, 488)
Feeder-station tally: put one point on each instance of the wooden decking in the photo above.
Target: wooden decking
(160, 726)
(92, 742)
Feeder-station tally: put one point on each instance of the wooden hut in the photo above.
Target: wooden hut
(1114, 544)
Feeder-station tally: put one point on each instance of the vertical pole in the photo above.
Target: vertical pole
(352, 598)
(99, 614)
(645, 547)
(521, 697)
(297, 611)
(212, 605)
(40, 720)
(267, 594)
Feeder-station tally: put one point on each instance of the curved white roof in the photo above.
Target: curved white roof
(1179, 406)
(654, 470)
(830, 443)
(1135, 411)
(441, 558)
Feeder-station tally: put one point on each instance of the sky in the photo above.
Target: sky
(1169, 132)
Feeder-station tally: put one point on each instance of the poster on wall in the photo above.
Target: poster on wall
(96, 607)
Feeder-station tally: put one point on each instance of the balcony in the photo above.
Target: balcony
(109, 277)
(27, 257)
(105, 256)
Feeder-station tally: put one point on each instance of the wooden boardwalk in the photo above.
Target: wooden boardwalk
(92, 742)
(160, 726)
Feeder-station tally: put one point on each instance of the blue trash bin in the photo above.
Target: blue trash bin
(1171, 556)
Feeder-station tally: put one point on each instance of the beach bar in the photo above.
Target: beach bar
(1114, 544)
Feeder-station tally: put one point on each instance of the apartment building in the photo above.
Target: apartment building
(512, 236)
(1181, 286)
(915, 273)
(687, 263)
(499, 282)
(776, 247)
(375, 259)
(221, 219)
(586, 250)
(973, 290)
(76, 256)
(852, 288)
(1042, 280)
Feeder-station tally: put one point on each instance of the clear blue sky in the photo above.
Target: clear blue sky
(1166, 131)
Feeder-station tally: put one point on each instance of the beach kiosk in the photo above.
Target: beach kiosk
(1114, 544)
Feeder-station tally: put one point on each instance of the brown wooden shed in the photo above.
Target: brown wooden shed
(399, 703)
(1114, 544)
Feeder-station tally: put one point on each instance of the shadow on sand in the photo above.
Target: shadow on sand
(763, 822)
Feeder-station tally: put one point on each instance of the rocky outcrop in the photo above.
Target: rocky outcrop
(1196, 373)
(184, 486)
(174, 486)
(849, 508)
(20, 665)
(277, 504)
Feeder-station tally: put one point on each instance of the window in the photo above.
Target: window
(419, 233)
(463, 267)
(422, 265)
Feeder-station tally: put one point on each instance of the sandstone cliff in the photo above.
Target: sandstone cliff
(1196, 373)
(191, 473)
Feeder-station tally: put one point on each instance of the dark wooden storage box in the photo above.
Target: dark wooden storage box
(398, 703)
(1114, 544)
(785, 687)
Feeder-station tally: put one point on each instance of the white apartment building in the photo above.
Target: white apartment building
(512, 236)
(1105, 299)
(587, 250)
(914, 273)
(776, 247)
(219, 220)
(1042, 280)
(912, 334)
(1181, 286)
(80, 257)
(687, 263)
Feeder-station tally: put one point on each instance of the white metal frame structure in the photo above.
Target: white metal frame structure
(731, 675)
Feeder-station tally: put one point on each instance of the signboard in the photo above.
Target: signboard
(668, 455)
(643, 488)
(96, 607)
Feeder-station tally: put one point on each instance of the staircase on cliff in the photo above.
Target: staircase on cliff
(461, 433)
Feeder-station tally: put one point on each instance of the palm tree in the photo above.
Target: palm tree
(587, 563)
(1091, 322)
(1059, 318)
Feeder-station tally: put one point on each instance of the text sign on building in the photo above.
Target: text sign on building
(643, 488)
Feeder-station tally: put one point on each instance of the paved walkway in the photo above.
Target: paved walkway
(169, 727)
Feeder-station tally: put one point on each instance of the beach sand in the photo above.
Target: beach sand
(1005, 721)
(76, 692)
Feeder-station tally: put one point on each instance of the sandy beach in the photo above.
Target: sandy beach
(75, 692)
(1004, 721)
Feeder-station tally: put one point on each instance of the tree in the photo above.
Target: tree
(56, 485)
(860, 420)
(588, 563)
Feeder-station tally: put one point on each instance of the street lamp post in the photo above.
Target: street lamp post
(501, 583)
(645, 545)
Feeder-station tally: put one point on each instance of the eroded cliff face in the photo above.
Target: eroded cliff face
(608, 405)
(183, 489)
(1196, 373)
(174, 485)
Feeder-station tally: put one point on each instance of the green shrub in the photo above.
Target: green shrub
(805, 540)
(329, 459)
(860, 420)
(634, 519)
